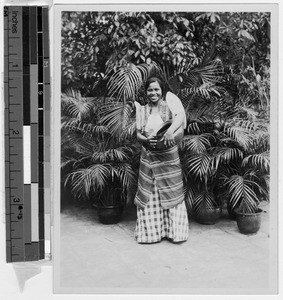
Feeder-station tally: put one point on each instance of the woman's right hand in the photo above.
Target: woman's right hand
(152, 141)
(149, 141)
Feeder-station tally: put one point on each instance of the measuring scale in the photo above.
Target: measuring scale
(27, 121)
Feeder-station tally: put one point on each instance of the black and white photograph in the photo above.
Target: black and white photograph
(166, 178)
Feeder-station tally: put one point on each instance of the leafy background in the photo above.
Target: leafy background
(219, 66)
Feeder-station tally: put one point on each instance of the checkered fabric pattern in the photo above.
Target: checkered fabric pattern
(155, 223)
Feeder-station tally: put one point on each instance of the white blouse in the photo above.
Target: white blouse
(154, 122)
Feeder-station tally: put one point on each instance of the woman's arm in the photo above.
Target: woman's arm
(177, 122)
(169, 135)
(179, 118)
(141, 138)
(145, 141)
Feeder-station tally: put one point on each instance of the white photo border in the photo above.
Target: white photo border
(56, 114)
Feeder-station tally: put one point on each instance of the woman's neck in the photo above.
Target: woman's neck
(155, 104)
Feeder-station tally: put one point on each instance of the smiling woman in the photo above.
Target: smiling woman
(161, 211)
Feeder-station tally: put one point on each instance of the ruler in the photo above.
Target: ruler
(27, 95)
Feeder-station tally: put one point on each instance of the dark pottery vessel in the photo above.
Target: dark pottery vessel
(249, 223)
(208, 216)
(110, 214)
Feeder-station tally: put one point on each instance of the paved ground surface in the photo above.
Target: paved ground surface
(215, 259)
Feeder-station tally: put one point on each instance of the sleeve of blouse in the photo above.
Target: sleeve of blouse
(176, 106)
(138, 115)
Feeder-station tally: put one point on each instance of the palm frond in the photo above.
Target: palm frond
(205, 91)
(147, 69)
(79, 144)
(85, 180)
(243, 135)
(129, 130)
(126, 175)
(116, 116)
(74, 124)
(126, 81)
(193, 128)
(198, 125)
(116, 155)
(198, 165)
(208, 73)
(203, 199)
(190, 79)
(261, 143)
(203, 113)
(76, 106)
(190, 197)
(195, 143)
(228, 154)
(242, 195)
(225, 155)
(258, 161)
(67, 161)
(248, 125)
(86, 147)
(266, 179)
(250, 113)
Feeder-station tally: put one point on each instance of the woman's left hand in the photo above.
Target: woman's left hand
(168, 138)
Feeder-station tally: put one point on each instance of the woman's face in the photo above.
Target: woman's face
(154, 92)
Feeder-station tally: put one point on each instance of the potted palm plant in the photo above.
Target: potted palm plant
(224, 157)
(201, 201)
(243, 196)
(102, 163)
(206, 153)
(248, 186)
(105, 172)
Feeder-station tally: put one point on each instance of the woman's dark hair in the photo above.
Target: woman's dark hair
(155, 79)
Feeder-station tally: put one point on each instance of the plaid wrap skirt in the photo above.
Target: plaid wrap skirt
(163, 170)
(155, 223)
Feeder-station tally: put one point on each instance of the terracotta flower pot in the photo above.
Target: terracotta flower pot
(249, 223)
(208, 216)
